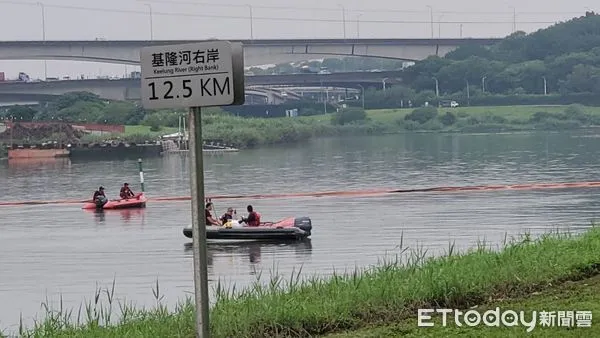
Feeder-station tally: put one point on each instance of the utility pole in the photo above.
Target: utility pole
(251, 22)
(43, 9)
(431, 18)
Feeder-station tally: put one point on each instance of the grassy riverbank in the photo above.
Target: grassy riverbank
(385, 295)
(580, 295)
(251, 132)
(489, 119)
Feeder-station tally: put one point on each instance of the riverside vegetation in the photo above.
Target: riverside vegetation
(558, 65)
(242, 132)
(250, 132)
(380, 300)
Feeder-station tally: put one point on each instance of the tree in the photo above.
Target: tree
(583, 78)
(69, 99)
(19, 112)
(465, 52)
(349, 115)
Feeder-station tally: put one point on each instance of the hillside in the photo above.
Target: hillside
(561, 61)
(567, 55)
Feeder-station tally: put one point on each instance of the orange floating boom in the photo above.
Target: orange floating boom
(355, 193)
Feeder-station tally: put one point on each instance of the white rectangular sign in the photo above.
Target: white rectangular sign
(190, 75)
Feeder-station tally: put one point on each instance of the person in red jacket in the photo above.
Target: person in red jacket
(253, 219)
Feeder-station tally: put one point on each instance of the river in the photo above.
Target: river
(51, 250)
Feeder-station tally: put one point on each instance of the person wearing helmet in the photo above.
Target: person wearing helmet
(227, 216)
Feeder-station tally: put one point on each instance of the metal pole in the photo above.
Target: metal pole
(483, 84)
(12, 126)
(42, 8)
(344, 19)
(358, 26)
(151, 24)
(363, 95)
(431, 19)
(468, 93)
(198, 224)
(141, 173)
(251, 23)
(514, 19)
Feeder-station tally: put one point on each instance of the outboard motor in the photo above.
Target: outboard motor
(303, 223)
(100, 202)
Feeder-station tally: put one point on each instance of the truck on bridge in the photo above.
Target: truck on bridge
(23, 77)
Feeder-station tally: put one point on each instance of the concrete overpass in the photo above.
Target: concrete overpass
(256, 52)
(269, 96)
(252, 95)
(129, 89)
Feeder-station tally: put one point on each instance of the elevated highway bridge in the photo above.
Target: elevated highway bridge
(256, 52)
(129, 89)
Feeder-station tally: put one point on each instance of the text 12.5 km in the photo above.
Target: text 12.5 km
(169, 89)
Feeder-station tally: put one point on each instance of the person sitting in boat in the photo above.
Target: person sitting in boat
(253, 219)
(210, 220)
(99, 197)
(228, 216)
(126, 192)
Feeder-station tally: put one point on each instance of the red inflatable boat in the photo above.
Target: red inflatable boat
(138, 201)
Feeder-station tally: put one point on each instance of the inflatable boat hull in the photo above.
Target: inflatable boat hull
(138, 201)
(287, 229)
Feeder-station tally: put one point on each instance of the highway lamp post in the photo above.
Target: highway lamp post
(483, 84)
(514, 16)
(324, 100)
(437, 87)
(514, 19)
(545, 86)
(468, 93)
(358, 26)
(460, 28)
(43, 10)
(343, 19)
(151, 23)
(440, 26)
(12, 126)
(362, 95)
(251, 22)
(431, 19)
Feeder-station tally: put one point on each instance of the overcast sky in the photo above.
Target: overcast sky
(130, 20)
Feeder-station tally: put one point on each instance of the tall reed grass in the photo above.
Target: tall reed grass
(385, 293)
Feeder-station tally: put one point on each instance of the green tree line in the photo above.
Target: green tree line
(556, 65)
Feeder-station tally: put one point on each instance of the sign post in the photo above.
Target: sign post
(194, 75)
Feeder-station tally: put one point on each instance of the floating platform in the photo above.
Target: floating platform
(171, 147)
(115, 150)
(293, 228)
(30, 153)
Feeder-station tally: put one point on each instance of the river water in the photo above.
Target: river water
(48, 251)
